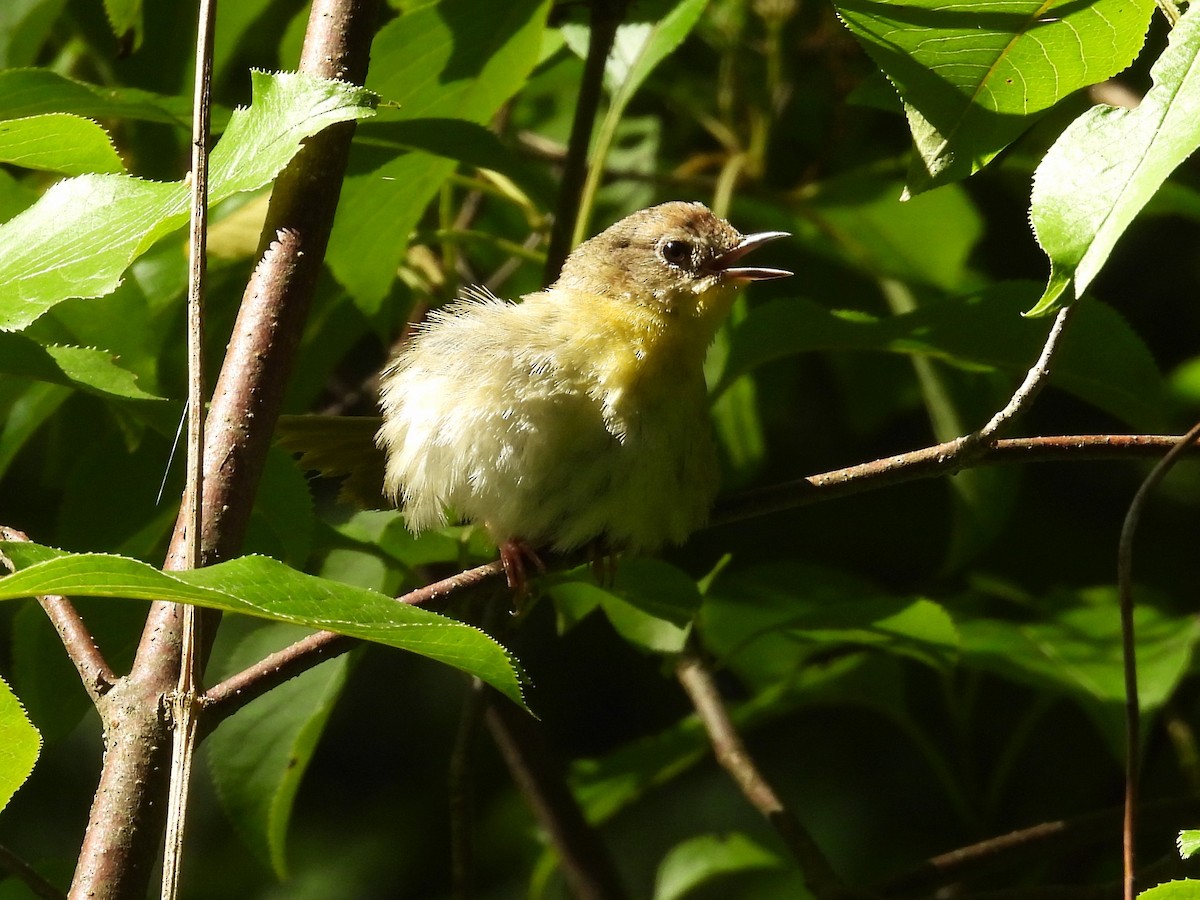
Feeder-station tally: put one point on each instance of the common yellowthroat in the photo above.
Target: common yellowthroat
(579, 414)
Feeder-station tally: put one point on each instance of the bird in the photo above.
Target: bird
(578, 416)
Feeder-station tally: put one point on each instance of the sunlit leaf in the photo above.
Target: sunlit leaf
(974, 74)
(58, 142)
(707, 857)
(1107, 165)
(1188, 843)
(92, 370)
(1185, 889)
(20, 744)
(262, 587)
(459, 59)
(79, 238)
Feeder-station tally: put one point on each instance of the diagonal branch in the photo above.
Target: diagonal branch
(1035, 379)
(730, 751)
(94, 671)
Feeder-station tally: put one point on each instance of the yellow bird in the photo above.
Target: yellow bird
(579, 414)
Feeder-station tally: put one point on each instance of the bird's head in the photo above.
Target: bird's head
(677, 258)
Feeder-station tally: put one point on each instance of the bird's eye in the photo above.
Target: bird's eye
(677, 252)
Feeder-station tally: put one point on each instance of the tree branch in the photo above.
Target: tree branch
(224, 699)
(28, 876)
(94, 671)
(935, 461)
(1039, 840)
(126, 820)
(605, 17)
(819, 877)
(1129, 650)
(539, 774)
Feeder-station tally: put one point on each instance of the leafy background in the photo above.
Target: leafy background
(916, 668)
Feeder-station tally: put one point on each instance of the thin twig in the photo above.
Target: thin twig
(1036, 841)
(183, 704)
(94, 671)
(819, 877)
(462, 774)
(1129, 649)
(224, 699)
(540, 776)
(1031, 386)
(605, 17)
(28, 876)
(933, 462)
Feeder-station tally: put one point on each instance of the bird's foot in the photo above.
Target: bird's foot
(514, 554)
(603, 560)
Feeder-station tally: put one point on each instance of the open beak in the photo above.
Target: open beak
(726, 262)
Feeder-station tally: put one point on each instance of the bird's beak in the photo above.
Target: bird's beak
(725, 263)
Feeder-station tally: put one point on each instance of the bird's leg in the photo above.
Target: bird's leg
(603, 560)
(514, 553)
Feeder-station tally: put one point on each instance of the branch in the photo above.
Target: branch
(935, 461)
(28, 876)
(224, 699)
(1039, 840)
(1026, 393)
(731, 753)
(183, 702)
(94, 671)
(126, 821)
(541, 779)
(1129, 649)
(605, 17)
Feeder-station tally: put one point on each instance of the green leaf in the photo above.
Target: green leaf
(1078, 653)
(870, 229)
(79, 238)
(94, 371)
(24, 26)
(24, 408)
(1101, 359)
(125, 17)
(1108, 164)
(460, 140)
(58, 142)
(20, 744)
(706, 857)
(638, 47)
(31, 92)
(1188, 843)
(263, 587)
(765, 621)
(457, 59)
(258, 755)
(975, 75)
(649, 603)
(1184, 889)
